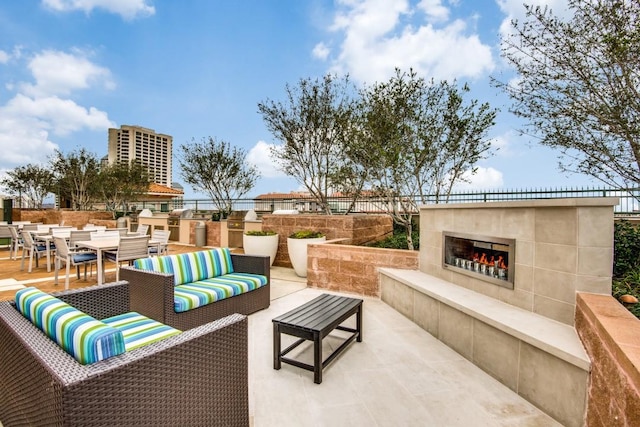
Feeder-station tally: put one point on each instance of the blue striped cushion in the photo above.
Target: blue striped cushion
(139, 330)
(190, 267)
(88, 340)
(192, 295)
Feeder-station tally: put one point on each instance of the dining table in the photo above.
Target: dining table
(102, 245)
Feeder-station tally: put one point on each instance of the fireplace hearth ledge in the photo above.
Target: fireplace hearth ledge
(406, 290)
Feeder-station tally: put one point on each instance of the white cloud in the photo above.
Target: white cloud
(45, 107)
(434, 9)
(377, 40)
(4, 57)
(60, 73)
(514, 9)
(483, 178)
(128, 9)
(321, 51)
(260, 156)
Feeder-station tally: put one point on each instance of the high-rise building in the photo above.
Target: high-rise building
(151, 149)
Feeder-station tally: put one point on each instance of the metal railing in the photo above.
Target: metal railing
(629, 201)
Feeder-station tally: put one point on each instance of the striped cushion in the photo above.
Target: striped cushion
(88, 340)
(190, 267)
(139, 330)
(192, 295)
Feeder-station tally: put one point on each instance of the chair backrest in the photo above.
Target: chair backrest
(133, 248)
(77, 236)
(142, 229)
(161, 235)
(102, 235)
(91, 227)
(45, 228)
(62, 249)
(30, 227)
(122, 231)
(14, 232)
(27, 240)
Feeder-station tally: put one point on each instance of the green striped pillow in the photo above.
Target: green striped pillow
(139, 330)
(88, 340)
(190, 267)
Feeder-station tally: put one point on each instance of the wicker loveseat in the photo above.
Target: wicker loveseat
(197, 377)
(154, 283)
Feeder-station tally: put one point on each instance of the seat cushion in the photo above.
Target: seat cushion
(84, 257)
(192, 295)
(86, 339)
(190, 267)
(139, 330)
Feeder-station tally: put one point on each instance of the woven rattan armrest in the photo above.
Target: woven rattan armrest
(199, 377)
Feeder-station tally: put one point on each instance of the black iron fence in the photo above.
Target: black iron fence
(629, 201)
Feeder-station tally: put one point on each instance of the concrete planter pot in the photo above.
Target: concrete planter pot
(261, 245)
(298, 253)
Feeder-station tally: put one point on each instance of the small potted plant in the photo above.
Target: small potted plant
(259, 242)
(297, 247)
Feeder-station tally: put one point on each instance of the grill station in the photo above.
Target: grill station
(173, 222)
(487, 258)
(235, 228)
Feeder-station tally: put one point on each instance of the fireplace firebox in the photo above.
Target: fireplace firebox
(490, 259)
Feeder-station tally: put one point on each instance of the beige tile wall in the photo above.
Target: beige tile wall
(562, 246)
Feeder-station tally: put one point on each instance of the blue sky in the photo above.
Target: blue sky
(70, 69)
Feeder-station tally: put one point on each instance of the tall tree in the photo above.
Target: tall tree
(217, 169)
(122, 183)
(419, 138)
(313, 125)
(578, 85)
(32, 182)
(77, 177)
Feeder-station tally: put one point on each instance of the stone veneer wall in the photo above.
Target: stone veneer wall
(563, 246)
(356, 229)
(611, 336)
(70, 218)
(353, 269)
(212, 228)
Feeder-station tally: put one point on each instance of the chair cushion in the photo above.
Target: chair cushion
(190, 267)
(84, 257)
(86, 339)
(192, 295)
(139, 330)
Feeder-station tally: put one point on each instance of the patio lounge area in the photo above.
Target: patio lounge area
(398, 375)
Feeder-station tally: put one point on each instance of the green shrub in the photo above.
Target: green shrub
(260, 233)
(306, 234)
(398, 241)
(626, 240)
(628, 284)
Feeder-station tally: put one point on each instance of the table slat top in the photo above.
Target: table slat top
(319, 313)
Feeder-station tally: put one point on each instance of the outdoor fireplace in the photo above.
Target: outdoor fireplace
(491, 259)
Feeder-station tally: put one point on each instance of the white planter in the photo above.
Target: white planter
(261, 245)
(298, 253)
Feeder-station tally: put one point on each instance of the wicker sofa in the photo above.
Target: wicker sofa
(198, 377)
(152, 292)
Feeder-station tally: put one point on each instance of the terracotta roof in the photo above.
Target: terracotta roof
(161, 189)
(291, 195)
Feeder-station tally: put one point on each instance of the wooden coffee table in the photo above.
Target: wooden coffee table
(312, 322)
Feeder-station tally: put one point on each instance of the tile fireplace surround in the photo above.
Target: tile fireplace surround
(563, 246)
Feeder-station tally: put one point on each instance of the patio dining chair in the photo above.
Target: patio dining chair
(32, 250)
(16, 242)
(129, 249)
(71, 258)
(142, 229)
(161, 236)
